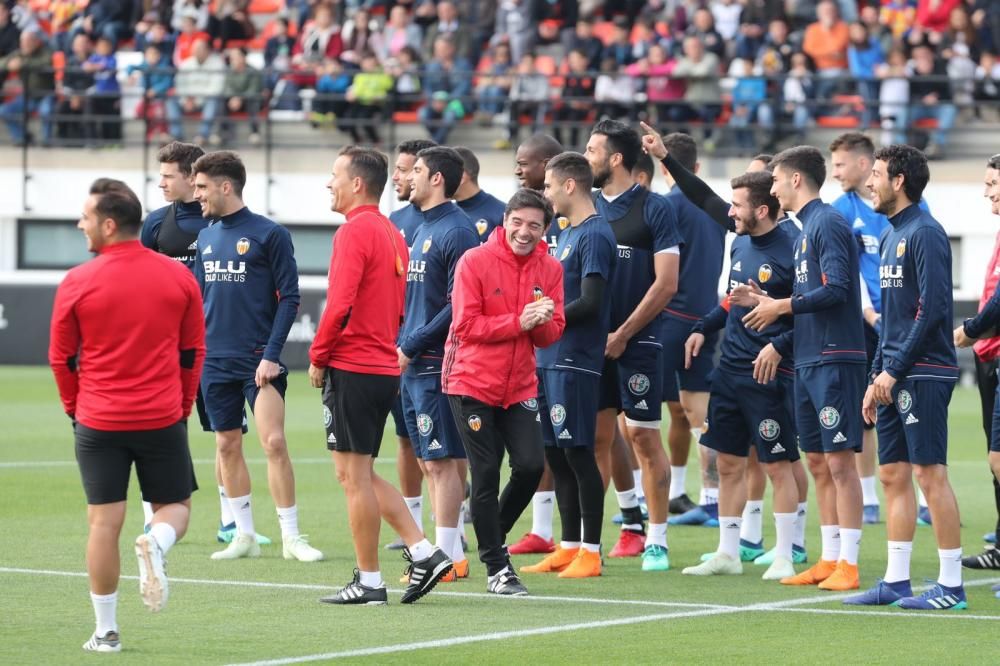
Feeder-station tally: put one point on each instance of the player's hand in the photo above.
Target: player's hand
(616, 344)
(267, 371)
(961, 339)
(742, 294)
(545, 309)
(765, 366)
(766, 313)
(404, 360)
(882, 388)
(692, 348)
(652, 143)
(316, 376)
(868, 406)
(529, 316)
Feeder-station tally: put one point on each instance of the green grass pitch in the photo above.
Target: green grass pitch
(266, 610)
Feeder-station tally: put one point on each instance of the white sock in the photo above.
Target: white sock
(784, 528)
(225, 511)
(592, 547)
(656, 535)
(164, 535)
(753, 521)
(105, 608)
(371, 578)
(242, 514)
(702, 497)
(147, 513)
(729, 536)
(288, 519)
(569, 545)
(457, 554)
(868, 491)
(921, 500)
(951, 567)
(543, 505)
(678, 479)
(799, 538)
(831, 542)
(850, 544)
(445, 539)
(627, 499)
(898, 566)
(416, 507)
(637, 480)
(711, 495)
(421, 550)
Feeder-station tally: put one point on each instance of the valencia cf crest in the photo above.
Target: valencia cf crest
(764, 273)
(537, 293)
(803, 244)
(563, 222)
(242, 246)
(482, 226)
(901, 248)
(475, 423)
(426, 246)
(565, 253)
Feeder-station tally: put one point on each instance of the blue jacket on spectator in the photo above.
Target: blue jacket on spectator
(457, 82)
(159, 79)
(863, 61)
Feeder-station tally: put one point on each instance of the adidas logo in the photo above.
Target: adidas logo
(546, 501)
(207, 250)
(434, 445)
(497, 292)
(193, 245)
(331, 439)
(777, 448)
(839, 438)
(911, 419)
(859, 223)
(641, 405)
(756, 511)
(565, 435)
(738, 266)
(538, 418)
(732, 526)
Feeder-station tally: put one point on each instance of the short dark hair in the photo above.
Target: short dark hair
(994, 162)
(470, 162)
(184, 155)
(525, 198)
(622, 139)
(766, 158)
(572, 165)
(683, 149)
(854, 142)
(223, 164)
(645, 165)
(447, 162)
(414, 146)
(758, 187)
(543, 145)
(909, 162)
(806, 160)
(370, 165)
(116, 200)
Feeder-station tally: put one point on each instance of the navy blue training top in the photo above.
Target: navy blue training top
(585, 250)
(250, 284)
(917, 303)
(437, 245)
(827, 297)
(485, 211)
(188, 218)
(407, 219)
(701, 260)
(654, 231)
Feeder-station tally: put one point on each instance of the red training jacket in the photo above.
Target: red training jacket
(127, 340)
(364, 300)
(487, 356)
(988, 349)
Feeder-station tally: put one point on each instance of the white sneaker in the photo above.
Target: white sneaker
(242, 545)
(780, 568)
(718, 564)
(152, 577)
(297, 548)
(109, 642)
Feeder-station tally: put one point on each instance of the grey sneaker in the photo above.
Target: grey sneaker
(109, 642)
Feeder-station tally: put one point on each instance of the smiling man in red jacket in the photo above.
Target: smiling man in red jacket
(507, 300)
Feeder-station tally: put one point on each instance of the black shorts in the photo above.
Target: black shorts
(162, 463)
(355, 409)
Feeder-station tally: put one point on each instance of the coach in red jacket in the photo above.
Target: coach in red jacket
(507, 300)
(126, 347)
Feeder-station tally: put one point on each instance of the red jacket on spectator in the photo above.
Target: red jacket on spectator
(487, 356)
(127, 340)
(935, 15)
(184, 45)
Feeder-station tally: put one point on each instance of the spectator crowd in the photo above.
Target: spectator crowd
(758, 69)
